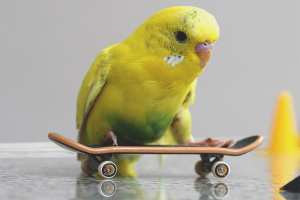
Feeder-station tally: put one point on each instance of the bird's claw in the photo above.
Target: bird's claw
(111, 139)
(213, 142)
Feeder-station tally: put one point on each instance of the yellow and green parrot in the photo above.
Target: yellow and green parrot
(138, 91)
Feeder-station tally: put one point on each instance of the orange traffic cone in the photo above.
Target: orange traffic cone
(284, 138)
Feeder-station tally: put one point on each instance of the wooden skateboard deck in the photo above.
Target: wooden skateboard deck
(241, 147)
(205, 166)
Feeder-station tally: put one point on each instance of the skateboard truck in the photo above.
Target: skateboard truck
(106, 168)
(217, 166)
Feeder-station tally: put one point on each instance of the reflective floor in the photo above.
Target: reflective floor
(52, 173)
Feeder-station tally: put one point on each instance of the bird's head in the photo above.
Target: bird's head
(181, 37)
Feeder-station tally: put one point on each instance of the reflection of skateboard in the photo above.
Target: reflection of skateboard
(206, 189)
(107, 188)
(211, 156)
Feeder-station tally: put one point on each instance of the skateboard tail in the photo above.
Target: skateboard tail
(64, 146)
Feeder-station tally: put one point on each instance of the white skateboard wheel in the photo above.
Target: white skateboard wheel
(220, 169)
(107, 169)
(107, 188)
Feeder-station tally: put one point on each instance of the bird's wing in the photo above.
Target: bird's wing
(92, 85)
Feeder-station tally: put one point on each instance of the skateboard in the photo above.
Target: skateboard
(211, 157)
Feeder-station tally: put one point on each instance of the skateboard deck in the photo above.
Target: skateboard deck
(203, 168)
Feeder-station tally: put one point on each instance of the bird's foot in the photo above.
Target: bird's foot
(111, 139)
(213, 142)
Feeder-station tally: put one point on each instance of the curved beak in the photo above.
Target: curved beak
(203, 51)
(204, 57)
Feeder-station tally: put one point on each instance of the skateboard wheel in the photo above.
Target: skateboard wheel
(220, 169)
(107, 188)
(107, 169)
(219, 190)
(199, 169)
(85, 167)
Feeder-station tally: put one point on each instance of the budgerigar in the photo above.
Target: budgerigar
(138, 91)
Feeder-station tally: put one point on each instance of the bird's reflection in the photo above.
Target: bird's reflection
(130, 188)
(218, 190)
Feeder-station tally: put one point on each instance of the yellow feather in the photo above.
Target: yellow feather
(136, 87)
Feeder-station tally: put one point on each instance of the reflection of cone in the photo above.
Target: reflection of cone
(282, 170)
(284, 139)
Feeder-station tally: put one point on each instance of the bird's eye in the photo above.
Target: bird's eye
(180, 36)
